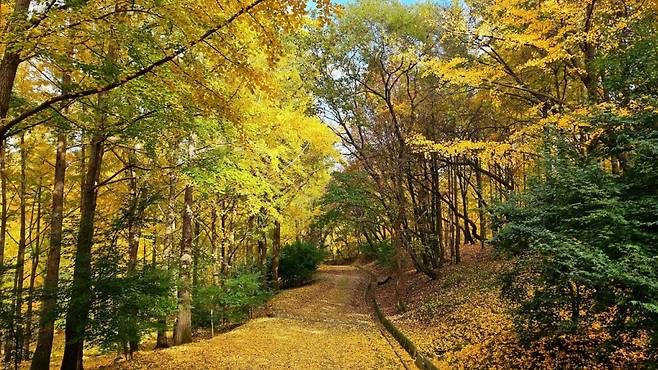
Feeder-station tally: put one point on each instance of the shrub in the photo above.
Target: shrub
(585, 242)
(298, 262)
(382, 251)
(126, 306)
(231, 302)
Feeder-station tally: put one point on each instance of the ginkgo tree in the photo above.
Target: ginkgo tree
(127, 90)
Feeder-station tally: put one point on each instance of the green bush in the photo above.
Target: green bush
(231, 302)
(126, 306)
(585, 242)
(382, 251)
(298, 262)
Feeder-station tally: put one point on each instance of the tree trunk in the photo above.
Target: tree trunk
(183, 329)
(78, 311)
(135, 214)
(48, 314)
(11, 57)
(196, 249)
(437, 213)
(463, 190)
(483, 222)
(36, 251)
(3, 211)
(455, 189)
(213, 245)
(276, 253)
(17, 323)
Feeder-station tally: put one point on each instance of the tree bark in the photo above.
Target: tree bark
(48, 314)
(11, 57)
(78, 311)
(183, 329)
(483, 222)
(161, 341)
(18, 329)
(36, 252)
(3, 211)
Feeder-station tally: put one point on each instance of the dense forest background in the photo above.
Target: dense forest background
(169, 165)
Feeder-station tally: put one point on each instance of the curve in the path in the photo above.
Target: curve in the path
(324, 325)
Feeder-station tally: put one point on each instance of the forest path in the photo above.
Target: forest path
(324, 325)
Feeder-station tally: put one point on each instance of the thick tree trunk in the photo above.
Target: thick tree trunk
(11, 57)
(183, 329)
(78, 311)
(48, 315)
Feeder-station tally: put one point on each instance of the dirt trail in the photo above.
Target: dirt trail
(324, 325)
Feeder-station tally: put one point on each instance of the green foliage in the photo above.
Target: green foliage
(231, 302)
(127, 306)
(585, 234)
(349, 205)
(298, 263)
(586, 239)
(384, 252)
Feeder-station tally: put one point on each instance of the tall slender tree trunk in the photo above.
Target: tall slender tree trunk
(134, 224)
(196, 249)
(78, 310)
(8, 67)
(3, 210)
(213, 245)
(249, 248)
(276, 253)
(3, 218)
(436, 210)
(222, 244)
(36, 252)
(455, 190)
(183, 329)
(463, 190)
(48, 314)
(161, 341)
(18, 324)
(134, 230)
(483, 221)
